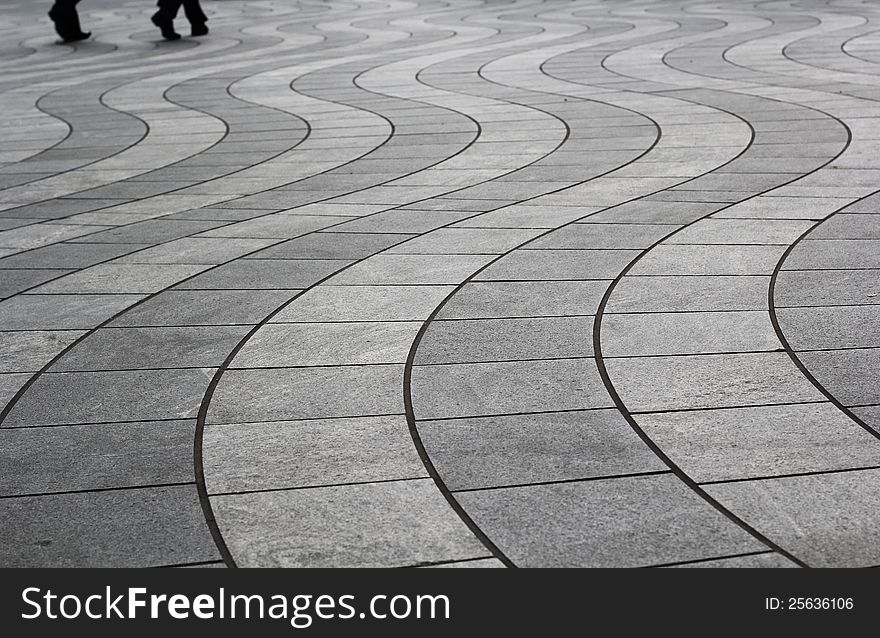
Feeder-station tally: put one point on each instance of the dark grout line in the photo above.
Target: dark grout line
(588, 479)
(697, 561)
(774, 477)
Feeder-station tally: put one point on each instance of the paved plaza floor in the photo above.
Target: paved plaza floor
(466, 283)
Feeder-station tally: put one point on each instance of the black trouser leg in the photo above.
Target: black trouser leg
(194, 13)
(169, 8)
(66, 19)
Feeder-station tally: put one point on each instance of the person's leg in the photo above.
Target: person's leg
(164, 18)
(196, 17)
(66, 19)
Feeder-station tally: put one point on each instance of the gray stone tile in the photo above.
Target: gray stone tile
(27, 351)
(387, 269)
(527, 216)
(470, 341)
(53, 312)
(68, 255)
(480, 563)
(741, 231)
(763, 560)
(644, 211)
(595, 236)
(498, 299)
(204, 307)
(89, 397)
(140, 348)
(9, 385)
(834, 253)
(762, 207)
(827, 287)
(90, 457)
(826, 520)
(849, 375)
(364, 303)
(138, 528)
(265, 274)
(329, 245)
(842, 226)
(369, 525)
(277, 226)
(832, 327)
(196, 250)
(531, 265)
(649, 384)
(13, 282)
(709, 260)
(403, 221)
(121, 278)
(483, 389)
(318, 344)
(152, 231)
(283, 394)
(529, 448)
(465, 241)
(870, 416)
(286, 454)
(623, 522)
(688, 293)
(722, 445)
(635, 335)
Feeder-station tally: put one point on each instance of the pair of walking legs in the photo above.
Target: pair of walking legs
(164, 17)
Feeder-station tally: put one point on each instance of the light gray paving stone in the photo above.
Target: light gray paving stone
(277, 226)
(870, 416)
(387, 269)
(364, 303)
(138, 528)
(603, 236)
(741, 231)
(265, 274)
(532, 265)
(154, 347)
(196, 250)
(121, 278)
(763, 560)
(673, 293)
(404, 221)
(307, 393)
(644, 211)
(470, 341)
(668, 259)
(465, 241)
(728, 444)
(498, 299)
(153, 231)
(286, 454)
(622, 522)
(529, 448)
(370, 525)
(527, 216)
(329, 245)
(650, 384)
(318, 344)
(483, 389)
(89, 457)
(827, 287)
(55, 312)
(849, 375)
(826, 520)
(834, 254)
(204, 307)
(89, 397)
(27, 351)
(843, 226)
(9, 385)
(832, 327)
(764, 207)
(635, 335)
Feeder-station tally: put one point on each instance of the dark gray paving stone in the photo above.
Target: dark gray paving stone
(330, 245)
(196, 250)
(219, 214)
(870, 416)
(90, 457)
(404, 221)
(527, 216)
(29, 351)
(314, 344)
(526, 265)
(152, 231)
(90, 397)
(9, 223)
(688, 293)
(485, 300)
(307, 393)
(387, 269)
(52, 312)
(13, 282)
(842, 226)
(623, 522)
(668, 259)
(834, 254)
(722, 445)
(138, 528)
(513, 450)
(687, 333)
(67, 255)
(827, 287)
(204, 307)
(849, 375)
(119, 278)
(364, 303)
(369, 525)
(826, 520)
(466, 241)
(139, 348)
(764, 560)
(277, 226)
(9, 385)
(287, 454)
(584, 236)
(832, 327)
(483, 389)
(471, 341)
(742, 231)
(58, 208)
(649, 384)
(265, 274)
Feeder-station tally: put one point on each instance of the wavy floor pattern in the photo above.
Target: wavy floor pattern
(455, 283)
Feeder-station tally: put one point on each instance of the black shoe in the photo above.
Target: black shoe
(67, 25)
(76, 37)
(166, 25)
(200, 28)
